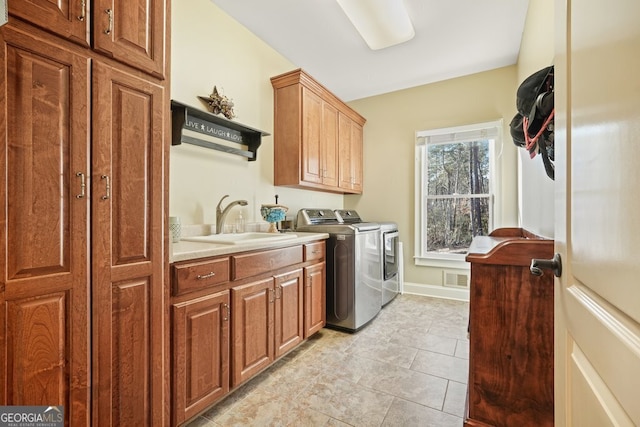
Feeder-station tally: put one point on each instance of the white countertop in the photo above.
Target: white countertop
(185, 251)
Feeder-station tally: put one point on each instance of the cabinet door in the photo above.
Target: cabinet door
(356, 157)
(200, 354)
(252, 314)
(131, 31)
(67, 18)
(289, 315)
(329, 145)
(311, 137)
(127, 227)
(350, 154)
(315, 313)
(44, 319)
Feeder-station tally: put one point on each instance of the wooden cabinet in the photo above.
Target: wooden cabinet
(253, 328)
(128, 308)
(130, 31)
(350, 154)
(315, 311)
(44, 287)
(510, 332)
(319, 140)
(267, 322)
(289, 320)
(200, 360)
(310, 149)
(82, 286)
(274, 300)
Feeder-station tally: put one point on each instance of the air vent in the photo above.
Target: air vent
(455, 279)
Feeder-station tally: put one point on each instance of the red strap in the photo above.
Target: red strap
(530, 142)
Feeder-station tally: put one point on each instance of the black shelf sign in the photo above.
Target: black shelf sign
(184, 117)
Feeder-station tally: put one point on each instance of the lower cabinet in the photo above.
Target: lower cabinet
(289, 326)
(238, 324)
(315, 312)
(267, 322)
(253, 324)
(200, 357)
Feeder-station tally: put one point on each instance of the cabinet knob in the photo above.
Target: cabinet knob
(554, 264)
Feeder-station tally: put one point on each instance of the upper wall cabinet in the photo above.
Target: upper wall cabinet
(317, 137)
(129, 31)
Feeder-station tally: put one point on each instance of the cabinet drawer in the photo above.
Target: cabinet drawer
(248, 265)
(197, 275)
(313, 251)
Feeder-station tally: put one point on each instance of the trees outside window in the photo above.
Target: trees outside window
(454, 175)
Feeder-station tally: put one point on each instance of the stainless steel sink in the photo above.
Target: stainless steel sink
(241, 238)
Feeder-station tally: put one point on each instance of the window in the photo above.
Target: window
(455, 177)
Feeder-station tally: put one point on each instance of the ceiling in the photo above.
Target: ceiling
(453, 38)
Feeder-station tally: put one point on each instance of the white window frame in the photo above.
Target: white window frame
(491, 130)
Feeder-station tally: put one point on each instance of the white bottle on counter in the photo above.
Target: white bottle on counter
(240, 223)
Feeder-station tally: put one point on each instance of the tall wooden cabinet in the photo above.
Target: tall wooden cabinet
(317, 137)
(82, 208)
(44, 212)
(510, 332)
(129, 31)
(128, 301)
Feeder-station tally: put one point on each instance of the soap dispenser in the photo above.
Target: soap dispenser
(240, 223)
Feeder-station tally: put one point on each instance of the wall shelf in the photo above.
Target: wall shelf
(185, 117)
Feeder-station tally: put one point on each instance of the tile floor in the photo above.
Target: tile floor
(408, 367)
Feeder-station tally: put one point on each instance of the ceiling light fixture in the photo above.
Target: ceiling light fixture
(381, 23)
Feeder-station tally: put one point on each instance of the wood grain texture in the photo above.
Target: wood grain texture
(255, 263)
(329, 155)
(272, 312)
(44, 286)
(307, 148)
(350, 154)
(200, 354)
(253, 329)
(192, 276)
(315, 306)
(129, 310)
(510, 340)
(51, 86)
(65, 18)
(137, 36)
(289, 311)
(314, 251)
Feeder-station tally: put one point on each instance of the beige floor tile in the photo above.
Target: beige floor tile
(455, 400)
(408, 384)
(408, 367)
(408, 414)
(348, 402)
(441, 365)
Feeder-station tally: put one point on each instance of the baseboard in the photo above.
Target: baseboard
(435, 291)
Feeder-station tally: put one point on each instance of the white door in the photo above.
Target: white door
(597, 369)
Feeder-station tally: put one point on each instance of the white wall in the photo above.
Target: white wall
(536, 197)
(210, 48)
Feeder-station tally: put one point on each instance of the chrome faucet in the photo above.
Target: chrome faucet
(222, 214)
